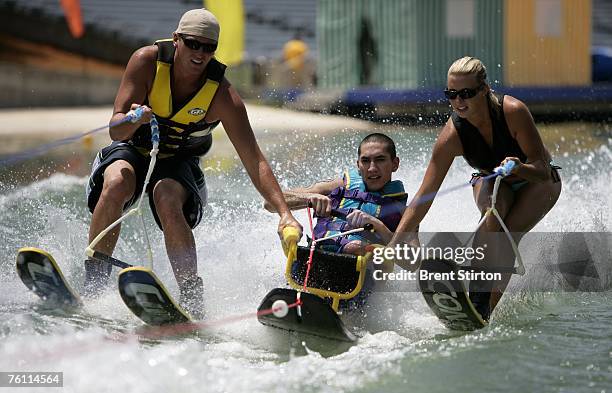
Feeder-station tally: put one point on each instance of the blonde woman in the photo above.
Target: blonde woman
(489, 129)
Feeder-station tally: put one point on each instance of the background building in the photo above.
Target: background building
(372, 58)
(523, 42)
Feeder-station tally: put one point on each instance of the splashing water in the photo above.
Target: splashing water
(556, 340)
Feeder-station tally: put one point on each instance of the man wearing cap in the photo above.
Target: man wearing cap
(180, 82)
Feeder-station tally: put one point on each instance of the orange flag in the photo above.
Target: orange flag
(72, 10)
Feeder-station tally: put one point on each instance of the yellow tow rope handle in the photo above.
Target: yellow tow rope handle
(291, 236)
(387, 265)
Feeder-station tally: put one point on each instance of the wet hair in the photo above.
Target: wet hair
(472, 66)
(380, 138)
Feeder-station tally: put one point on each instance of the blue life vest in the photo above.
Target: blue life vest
(386, 205)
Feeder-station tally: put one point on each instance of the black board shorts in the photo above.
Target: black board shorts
(185, 170)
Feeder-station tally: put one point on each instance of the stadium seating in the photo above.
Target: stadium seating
(270, 23)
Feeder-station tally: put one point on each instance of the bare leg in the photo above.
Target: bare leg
(119, 186)
(169, 197)
(521, 211)
(498, 250)
(489, 233)
(532, 203)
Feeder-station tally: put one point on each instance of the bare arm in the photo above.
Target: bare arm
(446, 148)
(298, 198)
(523, 129)
(229, 108)
(317, 193)
(135, 86)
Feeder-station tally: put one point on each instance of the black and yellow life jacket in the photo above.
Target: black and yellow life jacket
(182, 131)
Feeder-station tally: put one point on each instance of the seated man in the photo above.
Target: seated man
(367, 195)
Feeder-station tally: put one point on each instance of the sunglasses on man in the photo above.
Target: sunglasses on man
(197, 45)
(466, 93)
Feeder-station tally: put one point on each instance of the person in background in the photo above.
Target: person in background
(295, 53)
(368, 53)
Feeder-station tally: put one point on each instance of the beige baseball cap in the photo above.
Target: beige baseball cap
(200, 23)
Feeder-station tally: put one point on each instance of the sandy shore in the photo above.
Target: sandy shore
(26, 128)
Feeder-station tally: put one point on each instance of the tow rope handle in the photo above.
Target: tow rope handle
(290, 238)
(135, 114)
(341, 213)
(506, 169)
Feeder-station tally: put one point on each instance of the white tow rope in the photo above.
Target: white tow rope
(135, 116)
(502, 172)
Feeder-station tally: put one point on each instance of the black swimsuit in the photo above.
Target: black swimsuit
(479, 155)
(477, 152)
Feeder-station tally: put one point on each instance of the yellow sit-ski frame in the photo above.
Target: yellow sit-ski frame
(290, 239)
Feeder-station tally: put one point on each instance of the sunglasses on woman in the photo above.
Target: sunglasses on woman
(466, 93)
(196, 45)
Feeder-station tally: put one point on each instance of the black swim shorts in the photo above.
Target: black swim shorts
(185, 170)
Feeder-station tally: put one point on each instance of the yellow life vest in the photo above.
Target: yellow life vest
(182, 130)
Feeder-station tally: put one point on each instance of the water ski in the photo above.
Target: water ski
(314, 316)
(148, 299)
(447, 297)
(41, 274)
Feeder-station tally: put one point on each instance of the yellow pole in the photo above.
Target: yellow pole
(230, 14)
